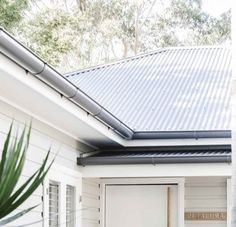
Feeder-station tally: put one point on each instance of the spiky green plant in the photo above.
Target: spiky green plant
(11, 166)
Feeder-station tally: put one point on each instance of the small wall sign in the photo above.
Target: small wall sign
(205, 216)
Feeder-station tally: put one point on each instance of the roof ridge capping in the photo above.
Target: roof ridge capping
(142, 55)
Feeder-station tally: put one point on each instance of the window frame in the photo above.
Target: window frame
(63, 176)
(73, 205)
(59, 191)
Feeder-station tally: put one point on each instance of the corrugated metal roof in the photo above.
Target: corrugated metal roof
(159, 156)
(166, 154)
(172, 89)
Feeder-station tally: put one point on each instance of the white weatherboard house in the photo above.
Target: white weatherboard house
(142, 142)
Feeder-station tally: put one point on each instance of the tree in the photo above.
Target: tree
(74, 34)
(11, 166)
(47, 34)
(11, 13)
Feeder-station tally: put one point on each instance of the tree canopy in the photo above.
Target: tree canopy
(71, 34)
(11, 13)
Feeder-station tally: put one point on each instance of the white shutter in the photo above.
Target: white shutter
(70, 206)
(54, 204)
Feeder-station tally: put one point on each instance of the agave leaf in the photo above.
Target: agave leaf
(34, 185)
(14, 217)
(13, 184)
(4, 153)
(15, 172)
(11, 166)
(12, 172)
(16, 194)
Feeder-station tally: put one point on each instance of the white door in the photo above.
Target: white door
(141, 206)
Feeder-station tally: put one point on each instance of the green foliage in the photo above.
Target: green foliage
(196, 26)
(89, 32)
(11, 166)
(47, 35)
(11, 12)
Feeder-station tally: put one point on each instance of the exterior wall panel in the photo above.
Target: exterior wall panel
(206, 195)
(91, 193)
(43, 137)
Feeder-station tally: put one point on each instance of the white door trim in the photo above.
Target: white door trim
(229, 199)
(178, 181)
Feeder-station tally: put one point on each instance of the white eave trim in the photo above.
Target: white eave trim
(162, 170)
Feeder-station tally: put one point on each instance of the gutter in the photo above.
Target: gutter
(24, 57)
(84, 161)
(40, 69)
(153, 161)
(183, 134)
(159, 155)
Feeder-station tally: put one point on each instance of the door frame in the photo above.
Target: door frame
(144, 181)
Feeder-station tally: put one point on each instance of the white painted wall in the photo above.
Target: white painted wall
(162, 170)
(91, 194)
(205, 194)
(43, 137)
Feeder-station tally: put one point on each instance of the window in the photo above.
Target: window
(62, 192)
(54, 203)
(70, 206)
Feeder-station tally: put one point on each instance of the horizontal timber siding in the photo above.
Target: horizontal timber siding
(91, 192)
(206, 195)
(43, 138)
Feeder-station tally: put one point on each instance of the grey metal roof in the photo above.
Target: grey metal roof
(158, 156)
(172, 89)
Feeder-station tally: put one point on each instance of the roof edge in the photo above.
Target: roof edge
(164, 148)
(113, 157)
(24, 57)
(183, 134)
(151, 161)
(174, 157)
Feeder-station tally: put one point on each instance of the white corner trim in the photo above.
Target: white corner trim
(229, 199)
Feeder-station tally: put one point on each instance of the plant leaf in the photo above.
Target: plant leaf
(14, 217)
(4, 152)
(11, 166)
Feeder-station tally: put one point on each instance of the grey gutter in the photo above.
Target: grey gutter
(151, 160)
(36, 66)
(14, 50)
(183, 134)
(159, 155)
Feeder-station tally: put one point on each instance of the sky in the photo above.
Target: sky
(216, 7)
